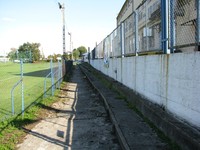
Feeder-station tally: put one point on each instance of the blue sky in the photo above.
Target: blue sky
(40, 21)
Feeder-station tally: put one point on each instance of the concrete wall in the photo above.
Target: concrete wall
(172, 81)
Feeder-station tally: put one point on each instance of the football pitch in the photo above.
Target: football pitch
(33, 85)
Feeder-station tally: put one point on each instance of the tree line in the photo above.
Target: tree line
(30, 52)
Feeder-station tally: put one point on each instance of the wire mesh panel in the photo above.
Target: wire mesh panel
(129, 30)
(111, 44)
(99, 50)
(33, 79)
(57, 71)
(149, 25)
(92, 54)
(22, 84)
(116, 40)
(183, 23)
(107, 48)
(9, 76)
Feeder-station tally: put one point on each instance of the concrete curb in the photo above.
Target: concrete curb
(120, 136)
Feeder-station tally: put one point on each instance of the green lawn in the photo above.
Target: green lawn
(33, 81)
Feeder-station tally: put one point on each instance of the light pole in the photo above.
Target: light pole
(62, 8)
(70, 44)
(17, 54)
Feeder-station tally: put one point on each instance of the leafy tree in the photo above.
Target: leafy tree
(59, 55)
(49, 57)
(65, 56)
(30, 51)
(81, 50)
(76, 54)
(13, 54)
(54, 57)
(70, 56)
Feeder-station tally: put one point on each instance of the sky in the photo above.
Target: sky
(88, 21)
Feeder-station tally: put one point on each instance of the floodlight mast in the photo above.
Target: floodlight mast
(70, 44)
(62, 8)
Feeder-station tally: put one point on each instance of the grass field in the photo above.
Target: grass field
(33, 82)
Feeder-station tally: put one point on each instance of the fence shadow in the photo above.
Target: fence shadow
(4, 111)
(40, 73)
(46, 138)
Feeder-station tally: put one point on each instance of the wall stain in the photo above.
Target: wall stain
(167, 78)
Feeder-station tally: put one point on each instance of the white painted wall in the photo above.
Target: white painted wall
(172, 81)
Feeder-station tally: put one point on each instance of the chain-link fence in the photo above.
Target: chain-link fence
(149, 26)
(129, 35)
(155, 27)
(183, 24)
(24, 84)
(99, 52)
(117, 44)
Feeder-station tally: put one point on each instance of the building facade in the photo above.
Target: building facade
(127, 9)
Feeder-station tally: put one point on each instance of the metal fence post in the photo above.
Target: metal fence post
(164, 25)
(146, 27)
(12, 102)
(59, 72)
(45, 86)
(61, 68)
(52, 78)
(22, 85)
(89, 55)
(198, 23)
(172, 26)
(136, 33)
(122, 39)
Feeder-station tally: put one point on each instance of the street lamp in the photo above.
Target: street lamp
(62, 8)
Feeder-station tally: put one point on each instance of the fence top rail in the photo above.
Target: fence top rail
(48, 75)
(56, 72)
(16, 85)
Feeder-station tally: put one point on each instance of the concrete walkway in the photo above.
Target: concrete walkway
(81, 122)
